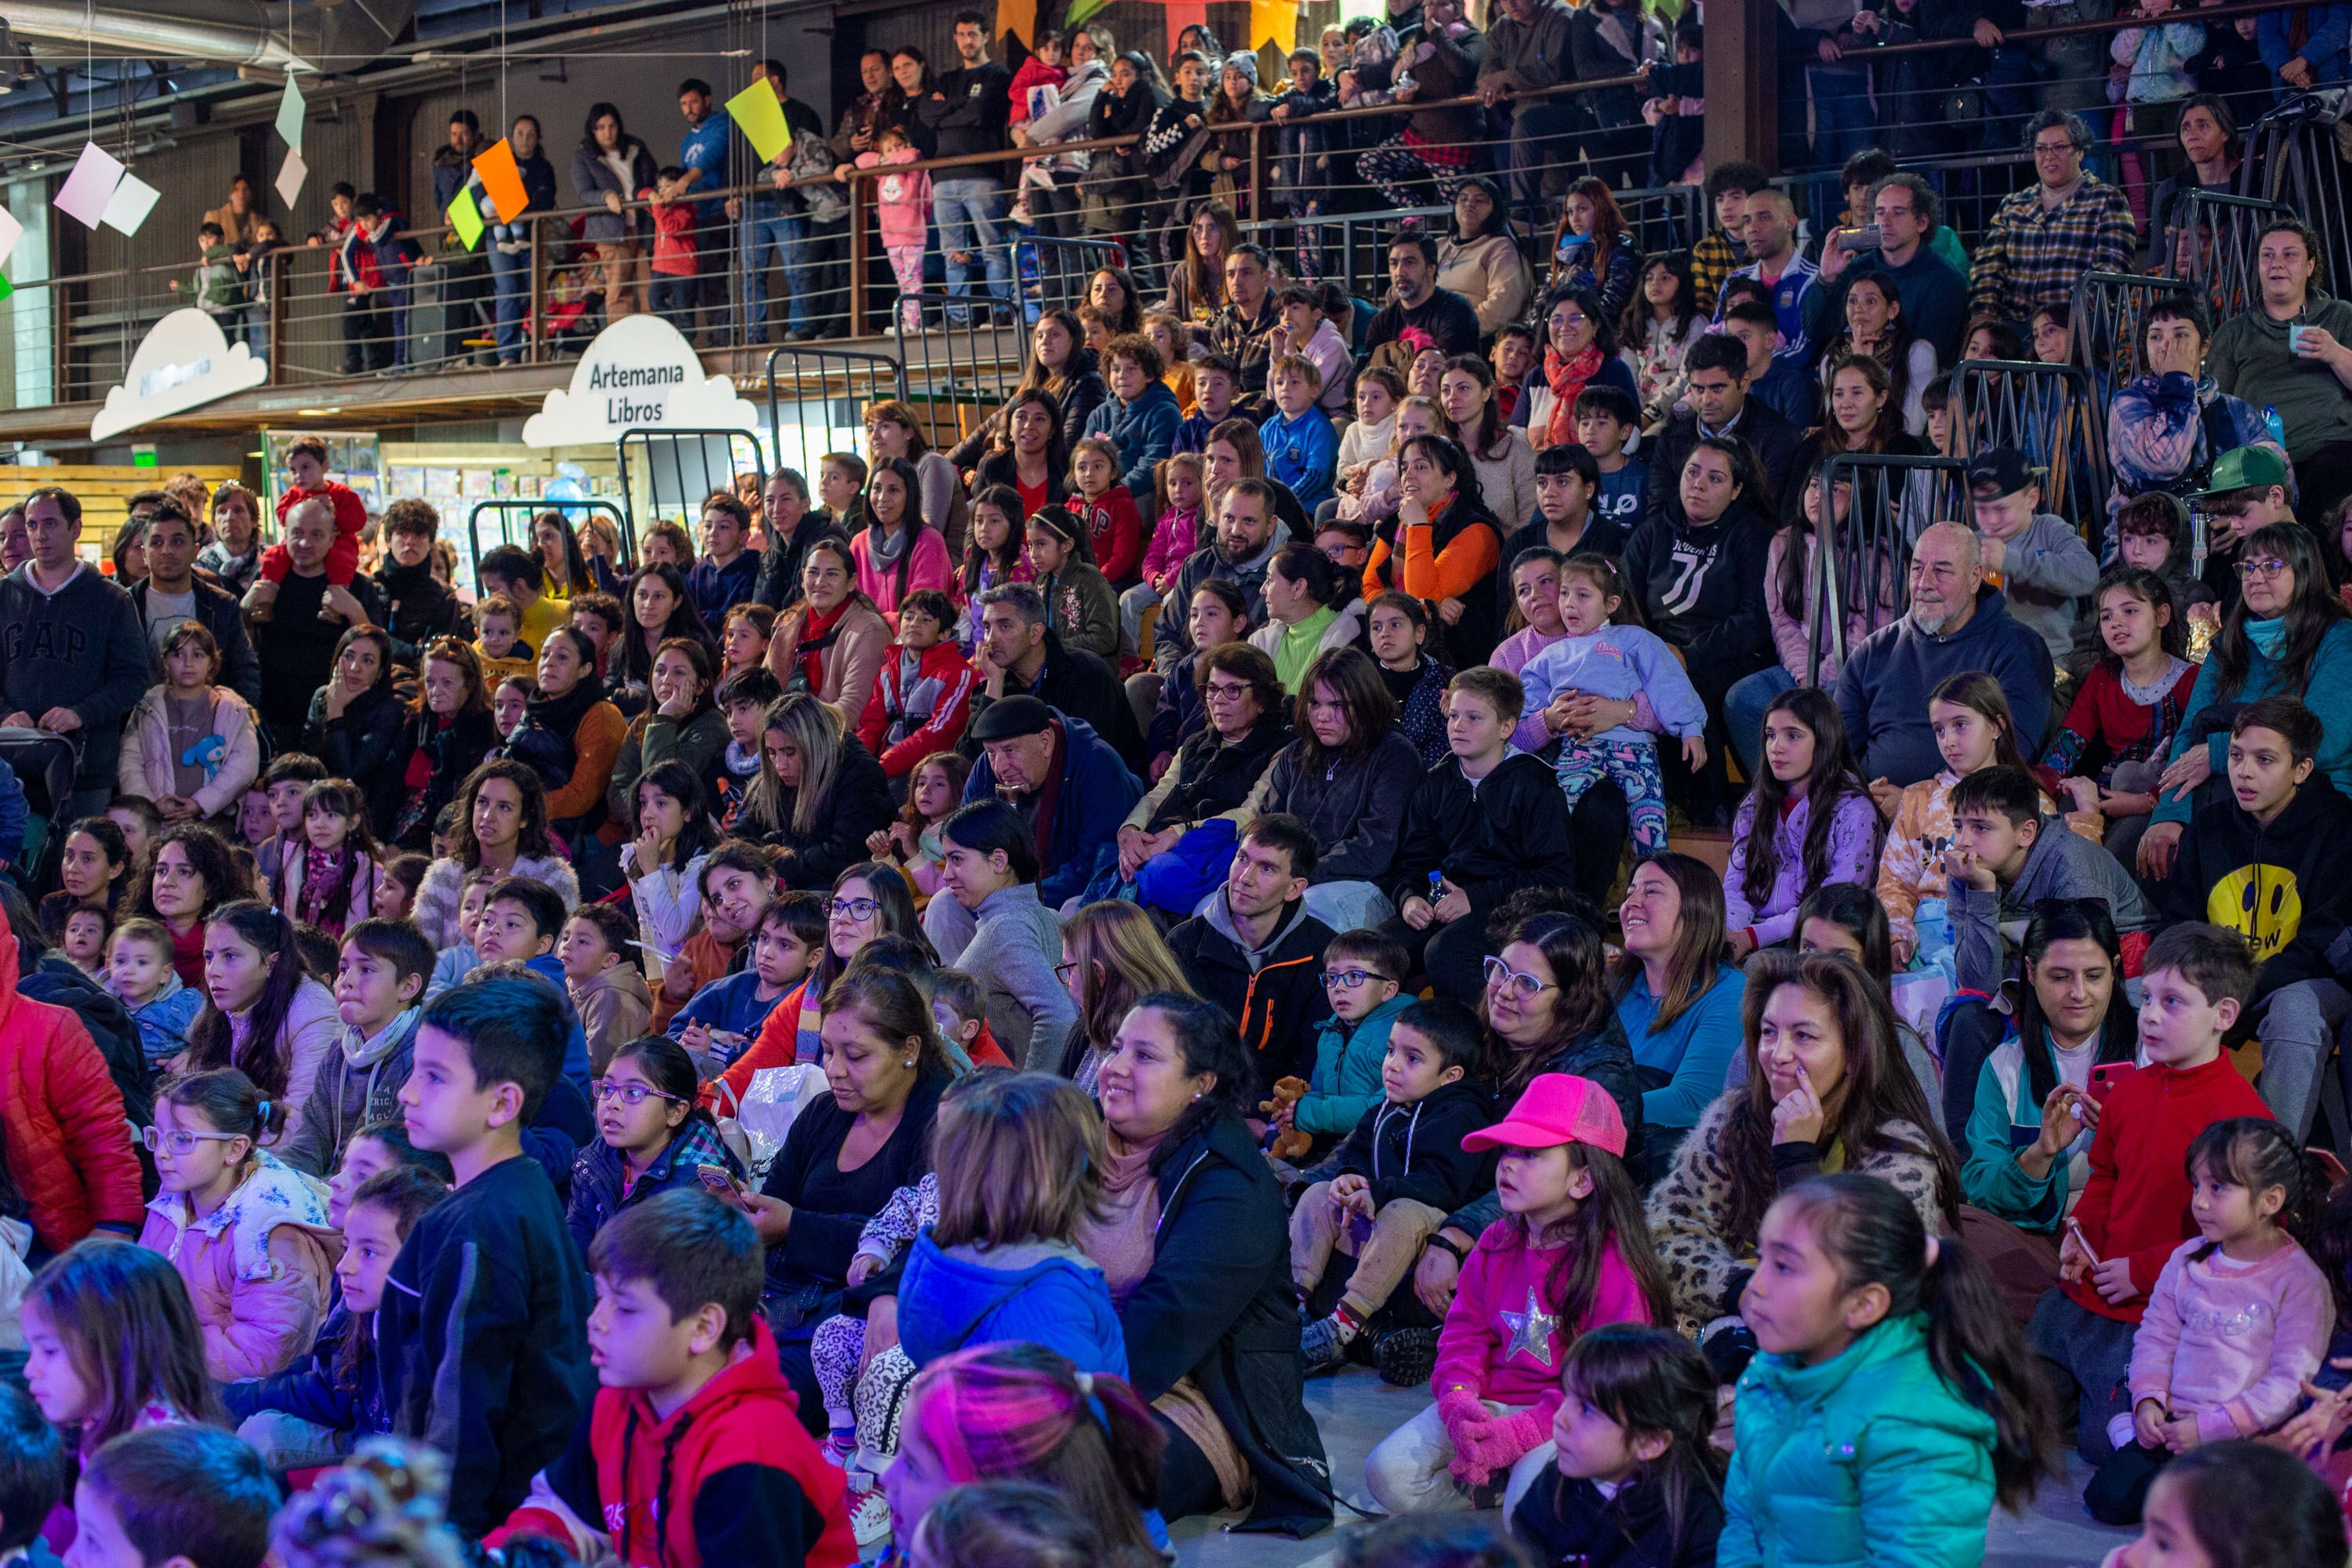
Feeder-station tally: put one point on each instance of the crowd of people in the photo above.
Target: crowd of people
(930, 1005)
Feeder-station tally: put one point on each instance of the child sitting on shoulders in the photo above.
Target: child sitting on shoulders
(1600, 658)
(692, 1452)
(1635, 1481)
(139, 972)
(2238, 1320)
(1402, 1171)
(315, 1409)
(1572, 1252)
(1889, 1399)
(248, 1232)
(497, 642)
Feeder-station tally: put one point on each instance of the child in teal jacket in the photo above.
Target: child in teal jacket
(1890, 1403)
(1349, 1048)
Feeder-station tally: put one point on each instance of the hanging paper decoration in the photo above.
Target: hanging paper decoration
(1274, 21)
(502, 178)
(132, 200)
(760, 117)
(291, 110)
(1019, 17)
(1181, 14)
(90, 185)
(466, 218)
(290, 175)
(11, 231)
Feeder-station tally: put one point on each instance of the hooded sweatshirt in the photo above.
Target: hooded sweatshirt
(1882, 692)
(355, 1085)
(2048, 568)
(1275, 991)
(1490, 838)
(2059, 864)
(1702, 589)
(1415, 1151)
(1045, 1292)
(2284, 886)
(1345, 1086)
(729, 1476)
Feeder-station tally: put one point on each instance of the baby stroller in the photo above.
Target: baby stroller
(44, 764)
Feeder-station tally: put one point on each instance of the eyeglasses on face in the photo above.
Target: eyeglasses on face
(1224, 691)
(1502, 977)
(1350, 979)
(629, 1094)
(853, 909)
(1061, 971)
(181, 1140)
(2270, 566)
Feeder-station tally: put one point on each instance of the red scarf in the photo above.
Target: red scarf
(816, 640)
(1568, 378)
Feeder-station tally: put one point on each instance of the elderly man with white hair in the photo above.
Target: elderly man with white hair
(1955, 623)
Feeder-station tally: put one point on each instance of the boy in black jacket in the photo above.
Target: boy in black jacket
(1396, 1179)
(482, 1331)
(1483, 823)
(2268, 854)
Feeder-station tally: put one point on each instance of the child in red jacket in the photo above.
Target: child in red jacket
(675, 255)
(1106, 509)
(2134, 1211)
(306, 460)
(924, 697)
(693, 1452)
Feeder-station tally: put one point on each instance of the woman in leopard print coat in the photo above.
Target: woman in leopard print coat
(1827, 1090)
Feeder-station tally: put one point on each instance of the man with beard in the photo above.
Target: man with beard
(1248, 535)
(172, 592)
(1018, 654)
(1955, 623)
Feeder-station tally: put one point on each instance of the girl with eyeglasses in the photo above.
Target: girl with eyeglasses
(651, 1136)
(247, 1233)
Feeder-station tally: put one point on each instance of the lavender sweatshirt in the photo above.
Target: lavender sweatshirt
(1854, 846)
(2231, 1346)
(1620, 663)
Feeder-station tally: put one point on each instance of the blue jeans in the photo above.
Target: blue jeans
(510, 277)
(1743, 712)
(1843, 123)
(967, 211)
(768, 226)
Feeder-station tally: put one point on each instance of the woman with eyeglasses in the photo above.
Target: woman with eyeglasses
(1547, 1010)
(651, 1136)
(2288, 635)
(1168, 846)
(870, 900)
(990, 871)
(1112, 957)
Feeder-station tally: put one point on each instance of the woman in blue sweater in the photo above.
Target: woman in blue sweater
(1677, 1000)
(2288, 635)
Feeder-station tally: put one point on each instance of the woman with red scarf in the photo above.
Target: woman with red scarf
(834, 641)
(1579, 350)
(1443, 546)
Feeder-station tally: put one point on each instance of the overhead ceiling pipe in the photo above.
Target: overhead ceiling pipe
(155, 36)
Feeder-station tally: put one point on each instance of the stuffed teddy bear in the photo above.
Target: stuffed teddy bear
(1292, 1144)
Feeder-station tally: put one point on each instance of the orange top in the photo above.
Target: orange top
(1433, 573)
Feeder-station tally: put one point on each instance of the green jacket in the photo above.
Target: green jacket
(219, 286)
(1868, 1460)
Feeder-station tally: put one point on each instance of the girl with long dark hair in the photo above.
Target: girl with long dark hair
(263, 1014)
(895, 552)
(1809, 820)
(1031, 458)
(1660, 323)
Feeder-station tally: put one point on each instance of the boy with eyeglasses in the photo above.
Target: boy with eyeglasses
(1392, 1183)
(1363, 976)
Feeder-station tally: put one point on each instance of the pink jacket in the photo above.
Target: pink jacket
(1789, 631)
(256, 1268)
(1499, 1340)
(146, 767)
(879, 583)
(1174, 538)
(904, 200)
(2231, 1346)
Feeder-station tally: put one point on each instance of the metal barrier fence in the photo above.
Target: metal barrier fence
(2110, 320)
(678, 468)
(1868, 559)
(2293, 159)
(1064, 268)
(506, 512)
(950, 369)
(2214, 244)
(839, 385)
(2050, 413)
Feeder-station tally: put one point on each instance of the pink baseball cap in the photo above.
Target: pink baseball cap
(1557, 1108)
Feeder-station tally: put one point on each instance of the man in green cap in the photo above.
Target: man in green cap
(2250, 490)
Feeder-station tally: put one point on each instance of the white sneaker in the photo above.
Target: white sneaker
(869, 1511)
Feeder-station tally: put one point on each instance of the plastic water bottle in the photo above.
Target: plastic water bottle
(2271, 423)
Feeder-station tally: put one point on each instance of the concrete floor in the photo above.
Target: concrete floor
(1356, 1410)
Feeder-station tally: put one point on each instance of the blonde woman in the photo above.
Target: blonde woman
(1113, 956)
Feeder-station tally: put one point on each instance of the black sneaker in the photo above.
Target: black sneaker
(1405, 1357)
(1321, 1348)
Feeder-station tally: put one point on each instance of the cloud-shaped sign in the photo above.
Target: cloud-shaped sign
(183, 363)
(640, 374)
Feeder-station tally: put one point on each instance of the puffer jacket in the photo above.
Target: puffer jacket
(256, 1268)
(600, 1191)
(1144, 431)
(313, 1390)
(69, 1143)
(147, 767)
(1045, 1293)
(311, 1034)
(1868, 1457)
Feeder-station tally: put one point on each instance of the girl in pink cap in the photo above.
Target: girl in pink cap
(1571, 1252)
